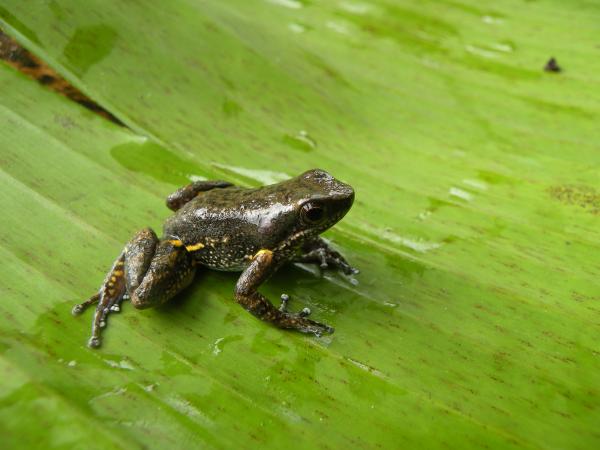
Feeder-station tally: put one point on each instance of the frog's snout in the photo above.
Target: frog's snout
(345, 194)
(345, 203)
(351, 197)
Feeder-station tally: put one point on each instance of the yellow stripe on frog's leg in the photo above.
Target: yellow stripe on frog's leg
(168, 270)
(189, 248)
(194, 247)
(110, 297)
(110, 286)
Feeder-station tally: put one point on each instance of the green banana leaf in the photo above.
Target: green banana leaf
(475, 322)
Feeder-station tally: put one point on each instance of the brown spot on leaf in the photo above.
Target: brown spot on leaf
(29, 64)
(583, 196)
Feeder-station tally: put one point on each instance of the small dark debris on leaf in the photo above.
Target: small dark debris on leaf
(552, 66)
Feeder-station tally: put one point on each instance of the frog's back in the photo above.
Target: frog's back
(225, 227)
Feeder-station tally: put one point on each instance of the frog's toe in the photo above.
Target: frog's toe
(353, 271)
(322, 329)
(318, 329)
(81, 307)
(94, 342)
(348, 269)
(305, 312)
(284, 302)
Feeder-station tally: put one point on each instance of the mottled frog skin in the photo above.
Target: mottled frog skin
(224, 227)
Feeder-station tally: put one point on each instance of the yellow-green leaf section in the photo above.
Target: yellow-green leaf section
(475, 322)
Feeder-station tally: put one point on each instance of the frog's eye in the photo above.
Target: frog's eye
(312, 213)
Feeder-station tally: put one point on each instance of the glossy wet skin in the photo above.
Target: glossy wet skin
(224, 227)
(234, 223)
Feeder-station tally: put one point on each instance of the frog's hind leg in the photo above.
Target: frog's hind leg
(109, 298)
(183, 195)
(149, 271)
(154, 277)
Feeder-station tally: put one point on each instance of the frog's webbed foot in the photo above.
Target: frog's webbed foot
(108, 297)
(247, 295)
(148, 271)
(307, 326)
(318, 251)
(183, 195)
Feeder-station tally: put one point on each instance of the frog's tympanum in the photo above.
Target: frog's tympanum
(224, 227)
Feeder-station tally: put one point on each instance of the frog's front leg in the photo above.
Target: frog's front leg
(150, 271)
(183, 195)
(262, 266)
(318, 251)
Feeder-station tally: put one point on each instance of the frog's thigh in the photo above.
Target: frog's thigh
(156, 270)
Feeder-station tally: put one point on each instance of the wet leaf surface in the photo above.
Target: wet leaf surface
(476, 316)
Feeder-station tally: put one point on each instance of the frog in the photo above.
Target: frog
(219, 226)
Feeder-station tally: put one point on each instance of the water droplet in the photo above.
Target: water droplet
(262, 176)
(424, 215)
(491, 20)
(337, 27)
(459, 193)
(185, 407)
(427, 62)
(216, 349)
(481, 51)
(123, 364)
(367, 368)
(301, 141)
(355, 8)
(292, 4)
(297, 28)
(418, 245)
(475, 184)
(503, 47)
(72, 363)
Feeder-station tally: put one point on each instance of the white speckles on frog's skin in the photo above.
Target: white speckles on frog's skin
(224, 227)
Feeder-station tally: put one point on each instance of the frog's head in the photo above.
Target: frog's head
(321, 200)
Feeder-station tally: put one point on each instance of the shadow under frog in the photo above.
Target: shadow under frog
(224, 227)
